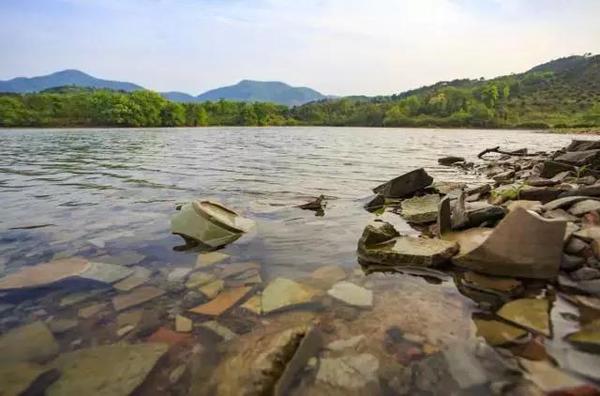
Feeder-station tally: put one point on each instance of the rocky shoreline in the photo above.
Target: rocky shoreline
(497, 291)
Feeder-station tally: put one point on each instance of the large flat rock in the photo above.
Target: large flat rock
(32, 342)
(408, 251)
(109, 370)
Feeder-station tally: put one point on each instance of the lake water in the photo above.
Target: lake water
(110, 193)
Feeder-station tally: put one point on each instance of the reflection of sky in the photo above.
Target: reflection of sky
(335, 46)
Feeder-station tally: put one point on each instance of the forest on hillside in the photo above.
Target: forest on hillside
(564, 93)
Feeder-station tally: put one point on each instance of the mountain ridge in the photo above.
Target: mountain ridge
(244, 91)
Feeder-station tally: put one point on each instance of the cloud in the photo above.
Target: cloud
(336, 46)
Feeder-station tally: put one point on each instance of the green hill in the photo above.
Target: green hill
(563, 93)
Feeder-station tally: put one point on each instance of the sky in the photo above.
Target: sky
(339, 47)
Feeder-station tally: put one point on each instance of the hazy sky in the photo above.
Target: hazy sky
(335, 46)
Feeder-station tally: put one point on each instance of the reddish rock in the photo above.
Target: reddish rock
(167, 336)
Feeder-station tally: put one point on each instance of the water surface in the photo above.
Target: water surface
(111, 192)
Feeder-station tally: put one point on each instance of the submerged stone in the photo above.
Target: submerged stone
(136, 297)
(183, 324)
(212, 289)
(140, 276)
(498, 333)
(178, 274)
(549, 378)
(91, 310)
(523, 244)
(283, 292)
(208, 259)
(351, 294)
(198, 279)
(588, 337)
(506, 286)
(421, 210)
(253, 304)
(329, 274)
(17, 378)
(105, 273)
(530, 313)
(222, 302)
(225, 333)
(44, 274)
(405, 185)
(255, 370)
(348, 372)
(32, 342)
(109, 370)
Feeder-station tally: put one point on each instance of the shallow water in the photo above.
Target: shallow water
(98, 193)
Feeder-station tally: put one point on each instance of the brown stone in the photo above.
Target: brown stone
(44, 274)
(136, 297)
(222, 302)
(523, 244)
(167, 336)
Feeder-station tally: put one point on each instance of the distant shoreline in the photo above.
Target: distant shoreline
(575, 131)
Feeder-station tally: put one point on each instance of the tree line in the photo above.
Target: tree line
(537, 100)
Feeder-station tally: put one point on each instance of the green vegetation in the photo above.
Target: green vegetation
(69, 106)
(564, 93)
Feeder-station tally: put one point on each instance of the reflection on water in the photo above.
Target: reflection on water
(108, 195)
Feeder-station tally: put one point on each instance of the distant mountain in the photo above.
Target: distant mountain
(244, 91)
(180, 97)
(61, 79)
(263, 91)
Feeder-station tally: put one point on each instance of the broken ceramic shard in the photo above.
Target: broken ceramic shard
(380, 244)
(523, 244)
(405, 185)
(209, 223)
(421, 210)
